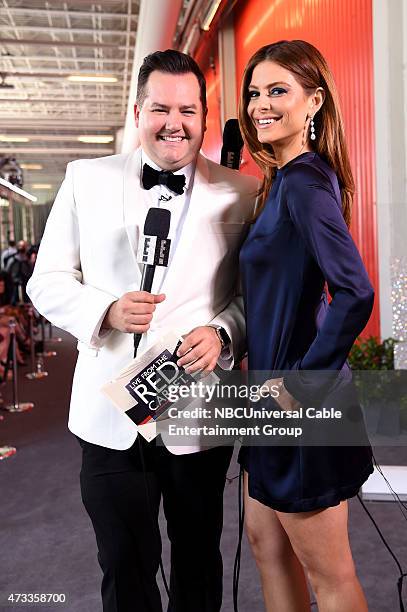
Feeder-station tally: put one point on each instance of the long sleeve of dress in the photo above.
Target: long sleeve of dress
(317, 217)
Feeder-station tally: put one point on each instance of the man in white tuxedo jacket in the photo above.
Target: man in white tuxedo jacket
(86, 280)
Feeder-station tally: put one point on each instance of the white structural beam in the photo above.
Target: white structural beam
(56, 30)
(112, 101)
(16, 189)
(62, 13)
(56, 151)
(96, 3)
(390, 88)
(52, 137)
(389, 32)
(37, 123)
(153, 34)
(37, 118)
(62, 72)
(64, 58)
(92, 89)
(60, 43)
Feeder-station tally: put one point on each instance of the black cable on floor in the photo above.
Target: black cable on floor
(236, 567)
(400, 503)
(402, 574)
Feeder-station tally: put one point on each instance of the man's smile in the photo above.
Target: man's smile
(172, 139)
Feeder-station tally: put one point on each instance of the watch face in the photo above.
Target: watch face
(224, 336)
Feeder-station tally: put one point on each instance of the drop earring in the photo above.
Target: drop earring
(304, 134)
(312, 128)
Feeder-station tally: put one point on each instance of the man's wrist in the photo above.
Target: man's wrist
(106, 323)
(222, 334)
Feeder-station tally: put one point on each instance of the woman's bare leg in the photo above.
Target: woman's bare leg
(320, 541)
(282, 576)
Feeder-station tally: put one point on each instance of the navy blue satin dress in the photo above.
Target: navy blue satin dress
(298, 243)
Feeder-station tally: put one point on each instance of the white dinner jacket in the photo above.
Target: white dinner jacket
(87, 260)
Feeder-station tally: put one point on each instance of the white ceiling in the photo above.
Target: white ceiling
(41, 43)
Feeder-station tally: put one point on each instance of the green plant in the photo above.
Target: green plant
(371, 354)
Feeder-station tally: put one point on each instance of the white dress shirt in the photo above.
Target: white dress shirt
(162, 197)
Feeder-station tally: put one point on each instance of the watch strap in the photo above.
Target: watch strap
(222, 335)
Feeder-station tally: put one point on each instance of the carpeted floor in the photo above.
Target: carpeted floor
(46, 539)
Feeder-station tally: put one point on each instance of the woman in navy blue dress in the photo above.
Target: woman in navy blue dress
(295, 496)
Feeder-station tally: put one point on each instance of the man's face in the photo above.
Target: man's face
(21, 246)
(171, 120)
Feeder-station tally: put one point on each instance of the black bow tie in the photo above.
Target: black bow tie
(151, 177)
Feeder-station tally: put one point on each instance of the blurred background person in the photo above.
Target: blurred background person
(8, 312)
(8, 252)
(20, 269)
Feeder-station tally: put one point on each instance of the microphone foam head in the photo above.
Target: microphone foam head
(157, 222)
(232, 138)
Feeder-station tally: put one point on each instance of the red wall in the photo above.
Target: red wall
(342, 30)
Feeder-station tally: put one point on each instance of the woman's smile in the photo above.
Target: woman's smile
(262, 123)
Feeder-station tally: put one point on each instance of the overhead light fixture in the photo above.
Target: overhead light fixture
(31, 166)
(6, 138)
(192, 40)
(41, 186)
(96, 139)
(210, 14)
(89, 78)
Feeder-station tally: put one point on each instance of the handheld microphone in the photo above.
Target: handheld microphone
(153, 251)
(231, 154)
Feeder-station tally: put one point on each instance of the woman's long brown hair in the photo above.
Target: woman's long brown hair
(311, 71)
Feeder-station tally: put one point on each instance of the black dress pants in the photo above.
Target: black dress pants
(122, 500)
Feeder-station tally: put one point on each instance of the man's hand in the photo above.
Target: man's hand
(200, 350)
(133, 312)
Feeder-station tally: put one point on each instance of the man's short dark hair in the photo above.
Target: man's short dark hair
(173, 62)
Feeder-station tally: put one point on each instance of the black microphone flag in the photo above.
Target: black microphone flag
(153, 251)
(231, 153)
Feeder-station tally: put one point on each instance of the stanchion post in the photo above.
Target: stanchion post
(44, 352)
(51, 339)
(32, 352)
(36, 366)
(16, 406)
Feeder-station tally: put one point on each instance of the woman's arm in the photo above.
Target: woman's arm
(316, 215)
(318, 219)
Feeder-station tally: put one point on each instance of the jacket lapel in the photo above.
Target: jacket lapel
(134, 206)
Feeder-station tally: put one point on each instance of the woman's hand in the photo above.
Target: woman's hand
(285, 400)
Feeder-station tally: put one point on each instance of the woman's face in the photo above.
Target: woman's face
(278, 105)
(2, 286)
